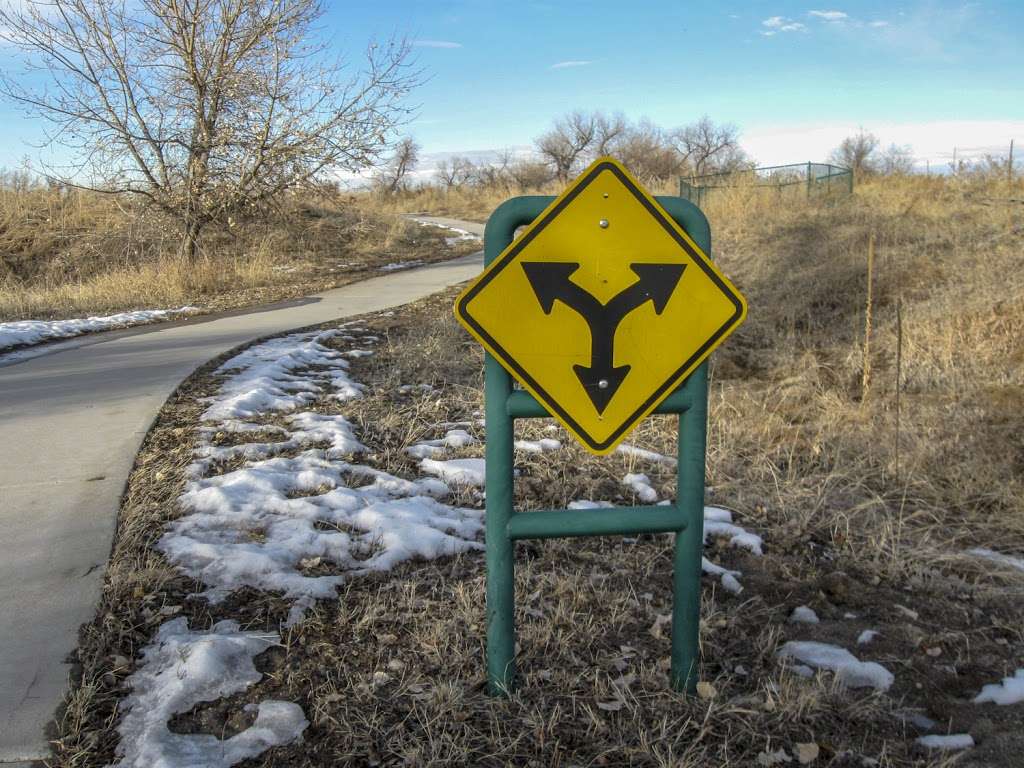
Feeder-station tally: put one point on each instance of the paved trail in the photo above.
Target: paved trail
(71, 422)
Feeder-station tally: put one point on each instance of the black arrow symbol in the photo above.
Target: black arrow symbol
(551, 282)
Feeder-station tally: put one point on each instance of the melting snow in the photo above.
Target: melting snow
(460, 234)
(641, 485)
(396, 265)
(274, 376)
(848, 669)
(643, 453)
(998, 557)
(23, 333)
(866, 636)
(454, 438)
(538, 446)
(270, 523)
(950, 742)
(718, 522)
(803, 615)
(1010, 691)
(588, 504)
(458, 471)
(183, 668)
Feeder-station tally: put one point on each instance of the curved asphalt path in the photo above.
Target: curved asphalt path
(71, 422)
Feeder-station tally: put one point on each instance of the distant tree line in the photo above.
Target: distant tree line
(654, 154)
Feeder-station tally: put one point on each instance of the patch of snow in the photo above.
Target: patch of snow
(802, 670)
(407, 388)
(643, 453)
(270, 523)
(181, 669)
(460, 234)
(256, 525)
(25, 333)
(538, 446)
(717, 515)
(951, 742)
(866, 636)
(641, 485)
(918, 720)
(731, 584)
(727, 577)
(803, 615)
(718, 522)
(847, 668)
(1009, 691)
(588, 504)
(275, 376)
(998, 558)
(454, 438)
(396, 265)
(458, 471)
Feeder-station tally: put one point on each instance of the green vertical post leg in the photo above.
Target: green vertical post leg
(689, 545)
(500, 564)
(501, 633)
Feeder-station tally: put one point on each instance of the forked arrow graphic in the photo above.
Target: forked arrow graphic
(551, 282)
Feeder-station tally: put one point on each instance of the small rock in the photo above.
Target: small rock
(837, 586)
(807, 753)
(706, 690)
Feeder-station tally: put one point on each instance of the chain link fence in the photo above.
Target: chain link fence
(810, 179)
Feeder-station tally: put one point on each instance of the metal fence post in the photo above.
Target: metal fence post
(808, 180)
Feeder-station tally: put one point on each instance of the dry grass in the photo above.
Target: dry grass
(70, 253)
(392, 673)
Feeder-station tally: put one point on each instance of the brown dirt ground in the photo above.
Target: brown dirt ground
(392, 673)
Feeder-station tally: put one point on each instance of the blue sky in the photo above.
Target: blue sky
(795, 77)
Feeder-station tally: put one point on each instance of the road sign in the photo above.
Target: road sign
(602, 306)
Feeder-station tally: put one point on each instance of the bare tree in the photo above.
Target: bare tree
(709, 147)
(647, 151)
(897, 160)
(455, 172)
(609, 131)
(566, 144)
(859, 153)
(527, 174)
(394, 177)
(202, 107)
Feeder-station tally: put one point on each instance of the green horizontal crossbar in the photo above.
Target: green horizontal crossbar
(523, 405)
(605, 521)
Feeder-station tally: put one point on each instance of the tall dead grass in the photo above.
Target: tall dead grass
(66, 253)
(789, 413)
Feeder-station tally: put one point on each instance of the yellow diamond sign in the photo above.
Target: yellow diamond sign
(602, 306)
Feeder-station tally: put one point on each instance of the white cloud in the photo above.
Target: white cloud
(568, 64)
(877, 24)
(781, 24)
(828, 15)
(435, 44)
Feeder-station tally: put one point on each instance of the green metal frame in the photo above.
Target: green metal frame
(504, 525)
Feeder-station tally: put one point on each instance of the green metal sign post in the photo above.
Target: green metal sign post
(505, 526)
